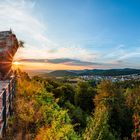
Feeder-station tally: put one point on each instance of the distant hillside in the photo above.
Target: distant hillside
(110, 72)
(61, 73)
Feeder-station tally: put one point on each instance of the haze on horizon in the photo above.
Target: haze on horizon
(73, 34)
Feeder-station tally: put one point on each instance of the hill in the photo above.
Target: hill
(110, 72)
(61, 73)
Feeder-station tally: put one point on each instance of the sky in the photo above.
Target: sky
(74, 34)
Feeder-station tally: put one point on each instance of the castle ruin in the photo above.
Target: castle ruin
(8, 47)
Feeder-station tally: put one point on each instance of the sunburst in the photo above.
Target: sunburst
(16, 63)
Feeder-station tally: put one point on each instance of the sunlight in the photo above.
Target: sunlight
(16, 63)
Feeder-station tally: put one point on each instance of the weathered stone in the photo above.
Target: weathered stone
(8, 47)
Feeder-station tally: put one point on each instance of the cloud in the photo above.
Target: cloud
(20, 16)
(17, 14)
(73, 51)
(114, 53)
(130, 55)
(65, 61)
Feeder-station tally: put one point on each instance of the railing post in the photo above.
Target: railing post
(9, 100)
(13, 88)
(4, 112)
(12, 95)
(7, 96)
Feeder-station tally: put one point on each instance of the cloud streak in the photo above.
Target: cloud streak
(65, 61)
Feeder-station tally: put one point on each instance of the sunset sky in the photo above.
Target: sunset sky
(74, 34)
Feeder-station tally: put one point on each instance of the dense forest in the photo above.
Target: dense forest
(51, 109)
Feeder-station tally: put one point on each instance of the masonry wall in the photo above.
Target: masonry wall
(8, 48)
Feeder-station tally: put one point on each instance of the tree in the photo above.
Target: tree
(38, 113)
(98, 127)
(59, 128)
(112, 98)
(65, 92)
(21, 43)
(133, 102)
(84, 96)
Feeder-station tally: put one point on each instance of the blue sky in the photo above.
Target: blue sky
(103, 32)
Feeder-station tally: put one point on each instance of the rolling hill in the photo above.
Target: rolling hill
(61, 73)
(110, 72)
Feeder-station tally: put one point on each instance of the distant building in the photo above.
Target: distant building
(8, 47)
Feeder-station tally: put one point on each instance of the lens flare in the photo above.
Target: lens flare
(16, 63)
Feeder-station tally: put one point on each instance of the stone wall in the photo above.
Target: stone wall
(8, 48)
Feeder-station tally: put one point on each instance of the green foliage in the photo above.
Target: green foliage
(59, 128)
(133, 98)
(64, 92)
(112, 97)
(51, 109)
(21, 43)
(37, 110)
(84, 96)
(77, 115)
(98, 128)
(133, 102)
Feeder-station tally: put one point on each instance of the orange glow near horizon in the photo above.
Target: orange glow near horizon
(16, 65)
(24, 65)
(48, 66)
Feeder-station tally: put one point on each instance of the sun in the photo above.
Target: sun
(16, 63)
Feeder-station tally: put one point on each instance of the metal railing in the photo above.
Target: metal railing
(6, 104)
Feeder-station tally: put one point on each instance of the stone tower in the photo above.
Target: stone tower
(8, 47)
